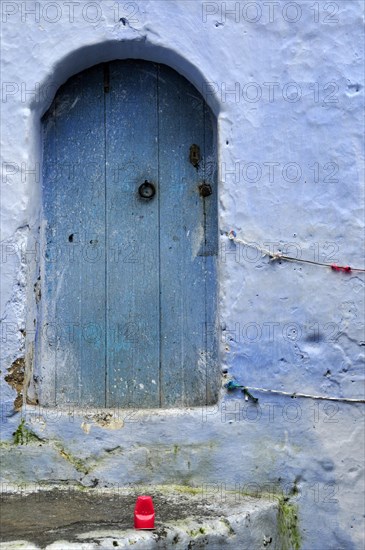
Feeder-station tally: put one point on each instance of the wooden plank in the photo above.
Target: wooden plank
(182, 281)
(75, 213)
(210, 259)
(46, 334)
(133, 236)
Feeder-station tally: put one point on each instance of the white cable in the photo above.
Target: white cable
(306, 395)
(279, 256)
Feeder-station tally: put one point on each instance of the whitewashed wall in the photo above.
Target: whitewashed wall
(285, 80)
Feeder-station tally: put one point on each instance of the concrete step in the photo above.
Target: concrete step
(186, 518)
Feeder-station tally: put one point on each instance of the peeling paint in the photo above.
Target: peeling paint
(104, 420)
(15, 379)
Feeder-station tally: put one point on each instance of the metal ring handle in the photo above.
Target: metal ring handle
(147, 190)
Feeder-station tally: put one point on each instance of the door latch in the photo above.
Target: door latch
(205, 189)
(194, 155)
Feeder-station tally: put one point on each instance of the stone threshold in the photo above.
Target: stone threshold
(76, 518)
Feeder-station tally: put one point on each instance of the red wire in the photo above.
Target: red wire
(345, 269)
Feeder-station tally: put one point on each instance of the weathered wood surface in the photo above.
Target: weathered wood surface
(129, 284)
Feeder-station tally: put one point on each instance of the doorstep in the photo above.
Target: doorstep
(100, 518)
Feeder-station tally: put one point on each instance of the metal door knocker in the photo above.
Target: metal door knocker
(147, 190)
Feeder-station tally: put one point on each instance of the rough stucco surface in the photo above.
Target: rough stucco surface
(312, 449)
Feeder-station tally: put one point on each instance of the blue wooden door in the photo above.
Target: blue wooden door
(128, 303)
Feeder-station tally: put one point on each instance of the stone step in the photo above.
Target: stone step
(186, 518)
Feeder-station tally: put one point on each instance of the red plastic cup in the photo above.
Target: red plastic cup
(144, 513)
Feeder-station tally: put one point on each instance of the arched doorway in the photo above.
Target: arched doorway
(128, 305)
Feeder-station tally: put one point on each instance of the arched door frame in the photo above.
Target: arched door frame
(211, 98)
